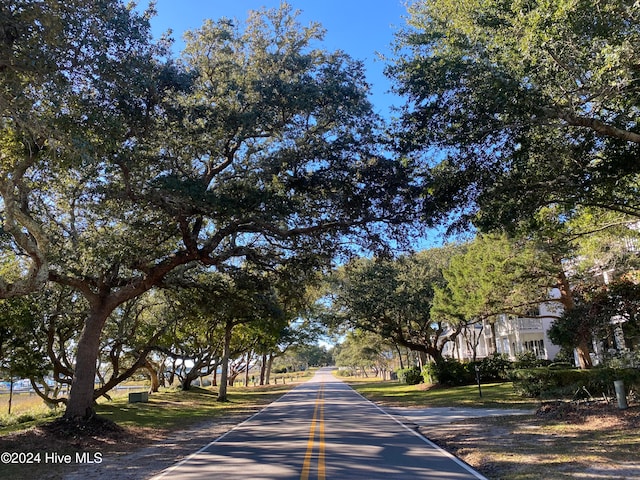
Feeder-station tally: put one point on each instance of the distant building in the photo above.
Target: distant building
(510, 335)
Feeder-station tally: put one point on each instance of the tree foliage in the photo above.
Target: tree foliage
(520, 105)
(494, 274)
(393, 298)
(599, 311)
(120, 167)
(362, 350)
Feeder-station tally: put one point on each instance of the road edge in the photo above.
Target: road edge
(448, 454)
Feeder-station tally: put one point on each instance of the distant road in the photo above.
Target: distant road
(321, 429)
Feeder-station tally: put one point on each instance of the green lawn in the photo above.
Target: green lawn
(167, 410)
(143, 423)
(494, 395)
(172, 410)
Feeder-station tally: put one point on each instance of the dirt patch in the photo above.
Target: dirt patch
(561, 440)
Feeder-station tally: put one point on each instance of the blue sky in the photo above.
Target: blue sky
(362, 28)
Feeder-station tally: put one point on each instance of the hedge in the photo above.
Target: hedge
(494, 368)
(548, 382)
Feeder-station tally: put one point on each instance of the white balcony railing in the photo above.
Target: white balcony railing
(511, 325)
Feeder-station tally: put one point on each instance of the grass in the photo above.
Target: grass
(171, 410)
(167, 410)
(495, 395)
(27, 410)
(142, 424)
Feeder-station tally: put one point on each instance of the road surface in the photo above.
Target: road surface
(321, 429)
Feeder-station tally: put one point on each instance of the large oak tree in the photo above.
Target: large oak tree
(520, 105)
(119, 167)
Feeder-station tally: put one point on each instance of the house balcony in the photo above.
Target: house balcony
(509, 326)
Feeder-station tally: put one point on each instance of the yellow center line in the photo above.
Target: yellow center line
(321, 469)
(318, 417)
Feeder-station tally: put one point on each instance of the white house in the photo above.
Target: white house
(509, 335)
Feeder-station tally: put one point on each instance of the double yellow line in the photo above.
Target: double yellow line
(318, 420)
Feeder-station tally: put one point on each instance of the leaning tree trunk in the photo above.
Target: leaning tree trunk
(584, 356)
(81, 398)
(153, 376)
(400, 357)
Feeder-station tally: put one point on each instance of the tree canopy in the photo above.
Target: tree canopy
(520, 105)
(393, 299)
(121, 166)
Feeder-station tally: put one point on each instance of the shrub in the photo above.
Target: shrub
(410, 376)
(529, 360)
(548, 382)
(25, 417)
(532, 382)
(621, 360)
(495, 367)
(449, 372)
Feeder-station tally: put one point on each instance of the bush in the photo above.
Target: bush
(621, 360)
(533, 382)
(529, 360)
(410, 376)
(495, 368)
(449, 372)
(548, 382)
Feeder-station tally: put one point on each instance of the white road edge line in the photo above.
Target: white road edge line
(170, 469)
(464, 465)
(417, 434)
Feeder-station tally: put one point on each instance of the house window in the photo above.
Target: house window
(536, 347)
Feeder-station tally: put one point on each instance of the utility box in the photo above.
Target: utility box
(138, 397)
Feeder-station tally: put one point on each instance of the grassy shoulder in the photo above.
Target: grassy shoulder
(494, 395)
(171, 410)
(600, 442)
(136, 426)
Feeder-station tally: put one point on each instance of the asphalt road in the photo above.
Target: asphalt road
(321, 429)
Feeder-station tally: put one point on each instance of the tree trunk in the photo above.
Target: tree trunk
(214, 373)
(263, 368)
(422, 357)
(81, 399)
(153, 376)
(246, 372)
(10, 392)
(269, 364)
(172, 373)
(231, 379)
(568, 302)
(186, 383)
(494, 340)
(162, 380)
(584, 359)
(400, 357)
(222, 390)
